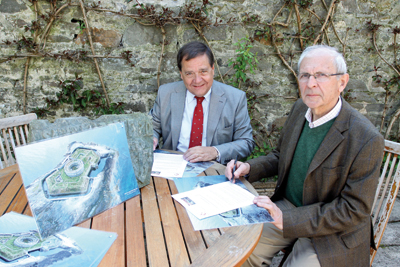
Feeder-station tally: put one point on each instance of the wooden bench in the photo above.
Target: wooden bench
(14, 132)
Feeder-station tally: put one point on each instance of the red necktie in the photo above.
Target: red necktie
(196, 134)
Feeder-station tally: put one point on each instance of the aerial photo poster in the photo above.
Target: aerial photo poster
(246, 215)
(21, 246)
(72, 178)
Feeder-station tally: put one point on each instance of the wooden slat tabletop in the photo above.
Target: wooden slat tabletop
(153, 229)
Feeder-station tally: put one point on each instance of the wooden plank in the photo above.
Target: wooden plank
(211, 171)
(210, 236)
(9, 192)
(28, 210)
(85, 224)
(233, 248)
(8, 160)
(16, 136)
(173, 235)
(20, 201)
(156, 250)
(22, 135)
(17, 120)
(6, 175)
(194, 239)
(135, 247)
(113, 220)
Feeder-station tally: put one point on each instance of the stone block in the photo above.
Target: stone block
(136, 35)
(139, 132)
(11, 6)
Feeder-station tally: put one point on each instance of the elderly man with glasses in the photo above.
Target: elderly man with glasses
(205, 119)
(328, 162)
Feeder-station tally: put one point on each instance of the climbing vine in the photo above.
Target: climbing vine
(294, 26)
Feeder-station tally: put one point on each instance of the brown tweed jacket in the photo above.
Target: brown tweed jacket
(339, 188)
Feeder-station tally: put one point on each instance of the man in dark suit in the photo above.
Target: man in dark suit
(224, 132)
(328, 162)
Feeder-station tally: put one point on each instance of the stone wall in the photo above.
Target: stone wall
(135, 83)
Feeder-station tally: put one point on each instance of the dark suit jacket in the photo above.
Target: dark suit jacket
(228, 126)
(339, 188)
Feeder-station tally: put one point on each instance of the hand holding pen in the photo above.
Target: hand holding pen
(234, 169)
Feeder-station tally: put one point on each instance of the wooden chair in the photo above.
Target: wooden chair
(386, 193)
(13, 132)
(385, 196)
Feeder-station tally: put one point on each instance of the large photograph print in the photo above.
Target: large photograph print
(21, 246)
(72, 178)
(242, 216)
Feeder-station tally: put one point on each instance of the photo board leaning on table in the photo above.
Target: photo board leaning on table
(75, 177)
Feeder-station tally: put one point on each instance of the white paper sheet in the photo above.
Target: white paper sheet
(214, 199)
(168, 165)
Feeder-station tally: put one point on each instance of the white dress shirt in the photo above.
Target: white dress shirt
(190, 105)
(331, 115)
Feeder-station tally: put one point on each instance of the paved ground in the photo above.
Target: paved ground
(389, 251)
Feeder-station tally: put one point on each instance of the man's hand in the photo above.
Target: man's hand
(241, 169)
(155, 143)
(200, 153)
(276, 213)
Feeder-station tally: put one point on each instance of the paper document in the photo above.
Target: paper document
(214, 199)
(168, 165)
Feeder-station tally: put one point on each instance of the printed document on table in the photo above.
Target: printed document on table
(214, 199)
(168, 165)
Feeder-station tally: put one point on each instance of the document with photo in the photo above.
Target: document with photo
(250, 214)
(168, 165)
(215, 199)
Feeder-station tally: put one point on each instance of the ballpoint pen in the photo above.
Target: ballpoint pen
(233, 170)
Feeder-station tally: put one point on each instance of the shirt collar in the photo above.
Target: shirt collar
(190, 96)
(331, 115)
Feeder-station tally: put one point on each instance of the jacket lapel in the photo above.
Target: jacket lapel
(217, 103)
(333, 138)
(177, 103)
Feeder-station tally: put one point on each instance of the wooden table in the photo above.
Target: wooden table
(153, 229)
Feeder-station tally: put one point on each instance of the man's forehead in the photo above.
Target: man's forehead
(321, 61)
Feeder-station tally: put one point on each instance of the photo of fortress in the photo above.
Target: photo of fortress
(72, 178)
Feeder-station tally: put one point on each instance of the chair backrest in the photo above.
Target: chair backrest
(13, 132)
(386, 193)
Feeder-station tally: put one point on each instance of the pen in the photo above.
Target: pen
(233, 170)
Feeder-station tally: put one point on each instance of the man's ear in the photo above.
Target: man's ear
(181, 75)
(344, 79)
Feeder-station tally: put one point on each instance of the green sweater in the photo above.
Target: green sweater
(308, 144)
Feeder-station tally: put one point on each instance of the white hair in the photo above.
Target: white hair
(338, 59)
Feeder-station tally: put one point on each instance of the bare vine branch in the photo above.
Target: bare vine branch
(205, 39)
(299, 25)
(392, 120)
(50, 23)
(92, 48)
(161, 56)
(284, 61)
(330, 11)
(380, 55)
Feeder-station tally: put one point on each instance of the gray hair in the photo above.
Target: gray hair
(338, 59)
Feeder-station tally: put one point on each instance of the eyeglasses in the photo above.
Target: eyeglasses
(191, 74)
(319, 76)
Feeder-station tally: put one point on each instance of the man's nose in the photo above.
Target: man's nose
(197, 78)
(311, 81)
